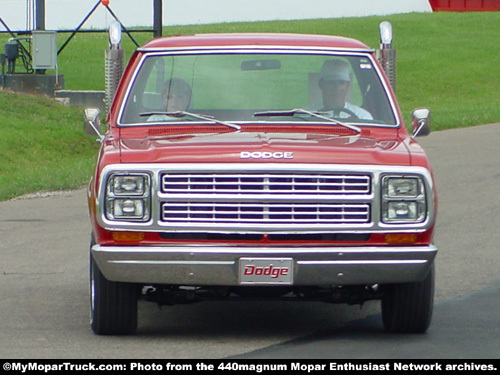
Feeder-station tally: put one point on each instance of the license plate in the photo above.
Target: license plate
(266, 271)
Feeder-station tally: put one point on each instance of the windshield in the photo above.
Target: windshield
(249, 87)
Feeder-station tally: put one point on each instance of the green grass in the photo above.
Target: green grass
(42, 146)
(448, 62)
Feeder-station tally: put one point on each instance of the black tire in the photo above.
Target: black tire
(407, 308)
(113, 305)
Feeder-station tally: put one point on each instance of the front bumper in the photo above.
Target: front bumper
(218, 265)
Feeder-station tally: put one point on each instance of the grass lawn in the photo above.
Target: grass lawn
(42, 146)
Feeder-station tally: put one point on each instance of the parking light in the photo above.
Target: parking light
(127, 236)
(400, 238)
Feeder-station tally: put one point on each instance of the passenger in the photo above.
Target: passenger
(335, 83)
(176, 96)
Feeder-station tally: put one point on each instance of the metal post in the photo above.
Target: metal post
(40, 23)
(157, 18)
(40, 15)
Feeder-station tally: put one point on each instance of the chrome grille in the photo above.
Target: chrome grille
(291, 201)
(265, 213)
(323, 184)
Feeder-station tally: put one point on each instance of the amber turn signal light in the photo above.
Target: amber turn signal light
(400, 238)
(127, 236)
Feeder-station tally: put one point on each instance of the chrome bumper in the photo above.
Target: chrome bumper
(218, 265)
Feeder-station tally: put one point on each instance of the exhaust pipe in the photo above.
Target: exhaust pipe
(113, 60)
(386, 54)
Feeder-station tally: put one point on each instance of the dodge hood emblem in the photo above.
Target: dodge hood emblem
(266, 155)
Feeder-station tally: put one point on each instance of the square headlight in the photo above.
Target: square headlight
(398, 187)
(128, 208)
(403, 200)
(128, 184)
(402, 211)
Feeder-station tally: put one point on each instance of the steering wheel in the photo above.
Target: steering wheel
(340, 110)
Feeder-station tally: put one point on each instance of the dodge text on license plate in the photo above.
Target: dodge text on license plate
(266, 271)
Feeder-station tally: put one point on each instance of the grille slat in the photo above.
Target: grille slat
(265, 213)
(255, 184)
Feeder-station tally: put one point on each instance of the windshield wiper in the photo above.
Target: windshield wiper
(292, 112)
(181, 114)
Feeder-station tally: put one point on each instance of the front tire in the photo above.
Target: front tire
(113, 305)
(407, 308)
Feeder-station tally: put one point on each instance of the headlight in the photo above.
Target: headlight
(128, 197)
(403, 199)
(128, 208)
(403, 187)
(127, 185)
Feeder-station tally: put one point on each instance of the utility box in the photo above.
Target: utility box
(44, 49)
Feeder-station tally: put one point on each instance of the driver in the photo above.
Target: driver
(335, 83)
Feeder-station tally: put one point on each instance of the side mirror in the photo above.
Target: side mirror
(92, 122)
(421, 122)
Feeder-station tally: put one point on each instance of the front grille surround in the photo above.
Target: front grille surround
(266, 198)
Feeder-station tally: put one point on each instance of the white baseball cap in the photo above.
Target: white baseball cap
(335, 70)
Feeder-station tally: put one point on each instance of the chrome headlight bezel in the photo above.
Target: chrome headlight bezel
(403, 199)
(128, 197)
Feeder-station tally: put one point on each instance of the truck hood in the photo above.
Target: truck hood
(261, 147)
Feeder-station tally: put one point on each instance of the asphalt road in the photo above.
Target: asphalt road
(44, 284)
(462, 328)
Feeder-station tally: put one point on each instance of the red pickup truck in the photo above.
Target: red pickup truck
(270, 166)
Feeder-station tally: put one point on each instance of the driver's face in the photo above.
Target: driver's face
(334, 93)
